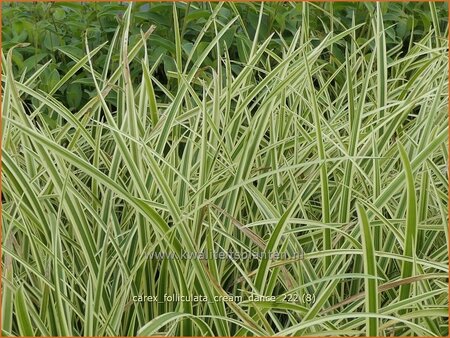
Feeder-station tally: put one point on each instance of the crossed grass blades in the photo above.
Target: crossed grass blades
(346, 162)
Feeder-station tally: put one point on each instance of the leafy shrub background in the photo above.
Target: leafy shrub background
(55, 33)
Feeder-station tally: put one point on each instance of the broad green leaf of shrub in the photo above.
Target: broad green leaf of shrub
(73, 95)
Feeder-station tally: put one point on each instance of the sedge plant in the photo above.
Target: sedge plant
(338, 167)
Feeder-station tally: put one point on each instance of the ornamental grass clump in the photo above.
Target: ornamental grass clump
(290, 194)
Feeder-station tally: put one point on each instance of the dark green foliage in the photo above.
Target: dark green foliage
(55, 31)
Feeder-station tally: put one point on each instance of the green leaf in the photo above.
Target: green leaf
(73, 95)
(370, 268)
(22, 315)
(34, 60)
(411, 225)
